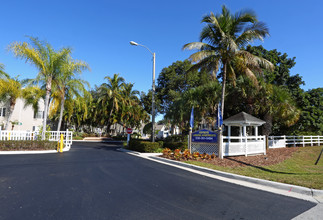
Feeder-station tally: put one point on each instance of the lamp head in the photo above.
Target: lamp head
(133, 43)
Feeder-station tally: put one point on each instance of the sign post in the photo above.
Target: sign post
(129, 132)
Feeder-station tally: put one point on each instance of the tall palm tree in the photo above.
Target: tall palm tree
(46, 59)
(67, 85)
(110, 96)
(225, 37)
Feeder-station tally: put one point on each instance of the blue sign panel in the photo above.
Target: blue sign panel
(204, 136)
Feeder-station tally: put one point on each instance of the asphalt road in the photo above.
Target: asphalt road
(94, 181)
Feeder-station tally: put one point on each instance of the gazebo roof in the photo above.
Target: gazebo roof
(243, 119)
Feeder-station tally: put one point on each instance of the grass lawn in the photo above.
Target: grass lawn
(298, 170)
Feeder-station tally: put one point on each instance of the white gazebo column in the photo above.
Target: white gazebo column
(256, 132)
(244, 131)
(240, 133)
(245, 139)
(229, 132)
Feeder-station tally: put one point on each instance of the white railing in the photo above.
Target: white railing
(234, 146)
(283, 141)
(6, 135)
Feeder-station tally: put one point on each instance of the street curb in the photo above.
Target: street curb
(32, 152)
(315, 193)
(28, 152)
(97, 141)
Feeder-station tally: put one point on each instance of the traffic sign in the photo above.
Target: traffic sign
(129, 130)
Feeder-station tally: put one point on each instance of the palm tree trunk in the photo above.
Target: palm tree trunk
(11, 108)
(48, 90)
(267, 127)
(109, 118)
(223, 87)
(61, 114)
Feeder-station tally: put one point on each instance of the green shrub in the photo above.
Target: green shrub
(176, 145)
(176, 138)
(143, 146)
(161, 144)
(119, 138)
(77, 138)
(27, 145)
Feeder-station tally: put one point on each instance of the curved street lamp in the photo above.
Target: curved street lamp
(153, 92)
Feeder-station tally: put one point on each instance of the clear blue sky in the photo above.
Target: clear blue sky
(99, 33)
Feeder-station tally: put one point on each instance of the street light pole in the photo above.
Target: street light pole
(153, 90)
(153, 100)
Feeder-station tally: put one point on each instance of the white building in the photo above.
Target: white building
(26, 118)
(165, 131)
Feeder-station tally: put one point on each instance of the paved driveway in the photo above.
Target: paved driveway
(94, 181)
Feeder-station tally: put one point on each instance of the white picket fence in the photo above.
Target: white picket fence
(6, 135)
(234, 146)
(283, 141)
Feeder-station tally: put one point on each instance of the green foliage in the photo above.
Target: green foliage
(161, 144)
(27, 145)
(307, 119)
(143, 146)
(47, 133)
(119, 138)
(311, 118)
(176, 138)
(116, 102)
(46, 59)
(204, 98)
(176, 145)
(174, 80)
(221, 47)
(147, 128)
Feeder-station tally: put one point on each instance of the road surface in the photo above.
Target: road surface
(95, 181)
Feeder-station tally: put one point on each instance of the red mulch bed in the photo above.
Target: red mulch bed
(273, 156)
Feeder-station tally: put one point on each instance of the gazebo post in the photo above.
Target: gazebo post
(256, 132)
(229, 132)
(244, 131)
(240, 128)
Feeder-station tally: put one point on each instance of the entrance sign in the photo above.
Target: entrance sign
(204, 136)
(129, 130)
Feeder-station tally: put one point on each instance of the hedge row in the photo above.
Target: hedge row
(27, 145)
(143, 146)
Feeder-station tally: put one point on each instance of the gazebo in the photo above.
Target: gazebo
(243, 120)
(243, 144)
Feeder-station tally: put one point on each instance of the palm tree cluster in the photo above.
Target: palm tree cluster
(222, 52)
(204, 99)
(223, 56)
(116, 102)
(57, 81)
(64, 93)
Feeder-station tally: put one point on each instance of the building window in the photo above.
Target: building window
(39, 115)
(2, 112)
